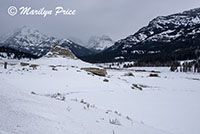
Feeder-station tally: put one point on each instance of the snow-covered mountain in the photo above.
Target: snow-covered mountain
(176, 36)
(167, 28)
(29, 40)
(100, 43)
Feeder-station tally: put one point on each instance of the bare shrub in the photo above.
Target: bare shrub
(129, 74)
(34, 66)
(115, 122)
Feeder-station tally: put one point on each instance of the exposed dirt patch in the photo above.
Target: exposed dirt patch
(96, 71)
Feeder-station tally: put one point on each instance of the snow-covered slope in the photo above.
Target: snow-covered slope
(59, 97)
(100, 43)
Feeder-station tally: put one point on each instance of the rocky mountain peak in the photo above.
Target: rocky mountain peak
(26, 35)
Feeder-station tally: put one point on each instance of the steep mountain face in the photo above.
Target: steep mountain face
(31, 41)
(166, 38)
(99, 43)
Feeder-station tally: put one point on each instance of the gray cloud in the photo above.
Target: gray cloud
(116, 18)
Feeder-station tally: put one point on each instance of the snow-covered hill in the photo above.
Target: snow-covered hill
(55, 95)
(100, 43)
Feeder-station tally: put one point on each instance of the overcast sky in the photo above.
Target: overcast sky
(116, 18)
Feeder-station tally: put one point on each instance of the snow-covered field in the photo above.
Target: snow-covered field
(68, 100)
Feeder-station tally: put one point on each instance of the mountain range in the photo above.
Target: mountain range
(165, 38)
(29, 42)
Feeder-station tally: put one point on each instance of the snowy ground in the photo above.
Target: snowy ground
(68, 100)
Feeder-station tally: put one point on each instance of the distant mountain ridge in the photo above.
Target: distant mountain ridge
(100, 43)
(166, 38)
(31, 41)
(95, 43)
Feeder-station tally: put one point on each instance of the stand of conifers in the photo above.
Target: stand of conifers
(190, 66)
